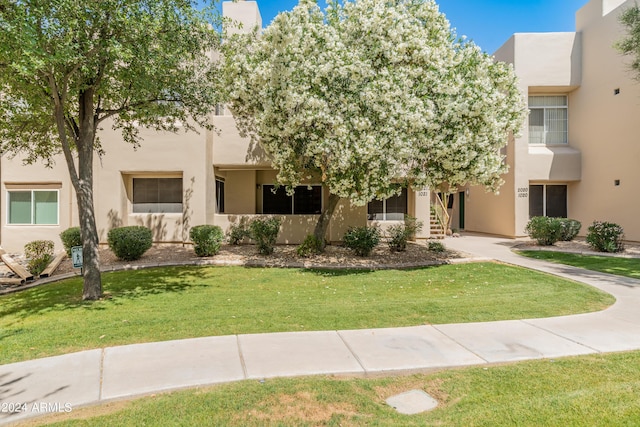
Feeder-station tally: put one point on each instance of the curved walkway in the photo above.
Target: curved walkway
(61, 383)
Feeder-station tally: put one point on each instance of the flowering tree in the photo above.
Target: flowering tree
(370, 94)
(68, 67)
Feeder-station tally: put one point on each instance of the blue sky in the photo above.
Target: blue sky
(489, 23)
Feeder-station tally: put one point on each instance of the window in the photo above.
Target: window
(392, 209)
(38, 207)
(219, 196)
(157, 195)
(548, 122)
(305, 201)
(548, 200)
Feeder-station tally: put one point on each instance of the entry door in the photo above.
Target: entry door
(461, 196)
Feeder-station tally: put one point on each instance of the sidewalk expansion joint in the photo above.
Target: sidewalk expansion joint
(459, 343)
(102, 352)
(528, 322)
(355, 356)
(241, 356)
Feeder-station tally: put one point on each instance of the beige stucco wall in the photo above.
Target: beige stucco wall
(245, 15)
(161, 154)
(604, 126)
(492, 213)
(15, 175)
(602, 144)
(231, 150)
(548, 59)
(544, 63)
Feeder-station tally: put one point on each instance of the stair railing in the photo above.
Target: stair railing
(440, 211)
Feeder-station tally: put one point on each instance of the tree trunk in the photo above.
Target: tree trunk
(82, 134)
(92, 286)
(325, 217)
(92, 281)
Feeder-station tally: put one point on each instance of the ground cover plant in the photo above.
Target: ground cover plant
(183, 302)
(581, 391)
(629, 267)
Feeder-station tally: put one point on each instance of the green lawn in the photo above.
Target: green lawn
(629, 267)
(182, 302)
(592, 390)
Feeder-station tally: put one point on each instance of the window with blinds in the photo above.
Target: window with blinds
(548, 119)
(157, 195)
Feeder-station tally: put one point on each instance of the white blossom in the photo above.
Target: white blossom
(368, 93)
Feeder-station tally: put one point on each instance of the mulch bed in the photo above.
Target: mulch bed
(335, 256)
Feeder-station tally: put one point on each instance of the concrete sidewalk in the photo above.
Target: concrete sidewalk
(62, 383)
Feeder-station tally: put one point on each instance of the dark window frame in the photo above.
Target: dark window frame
(392, 206)
(219, 195)
(548, 200)
(304, 201)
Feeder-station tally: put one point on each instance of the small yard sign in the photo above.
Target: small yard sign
(76, 256)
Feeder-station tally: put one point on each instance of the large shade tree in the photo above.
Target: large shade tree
(68, 67)
(370, 94)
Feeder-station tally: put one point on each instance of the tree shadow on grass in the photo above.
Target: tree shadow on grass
(328, 272)
(117, 286)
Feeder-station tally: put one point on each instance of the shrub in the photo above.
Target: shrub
(129, 243)
(70, 238)
(238, 232)
(39, 253)
(206, 239)
(545, 230)
(400, 234)
(265, 233)
(436, 247)
(605, 237)
(311, 246)
(362, 240)
(569, 229)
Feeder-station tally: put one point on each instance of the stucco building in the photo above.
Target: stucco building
(577, 156)
(578, 153)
